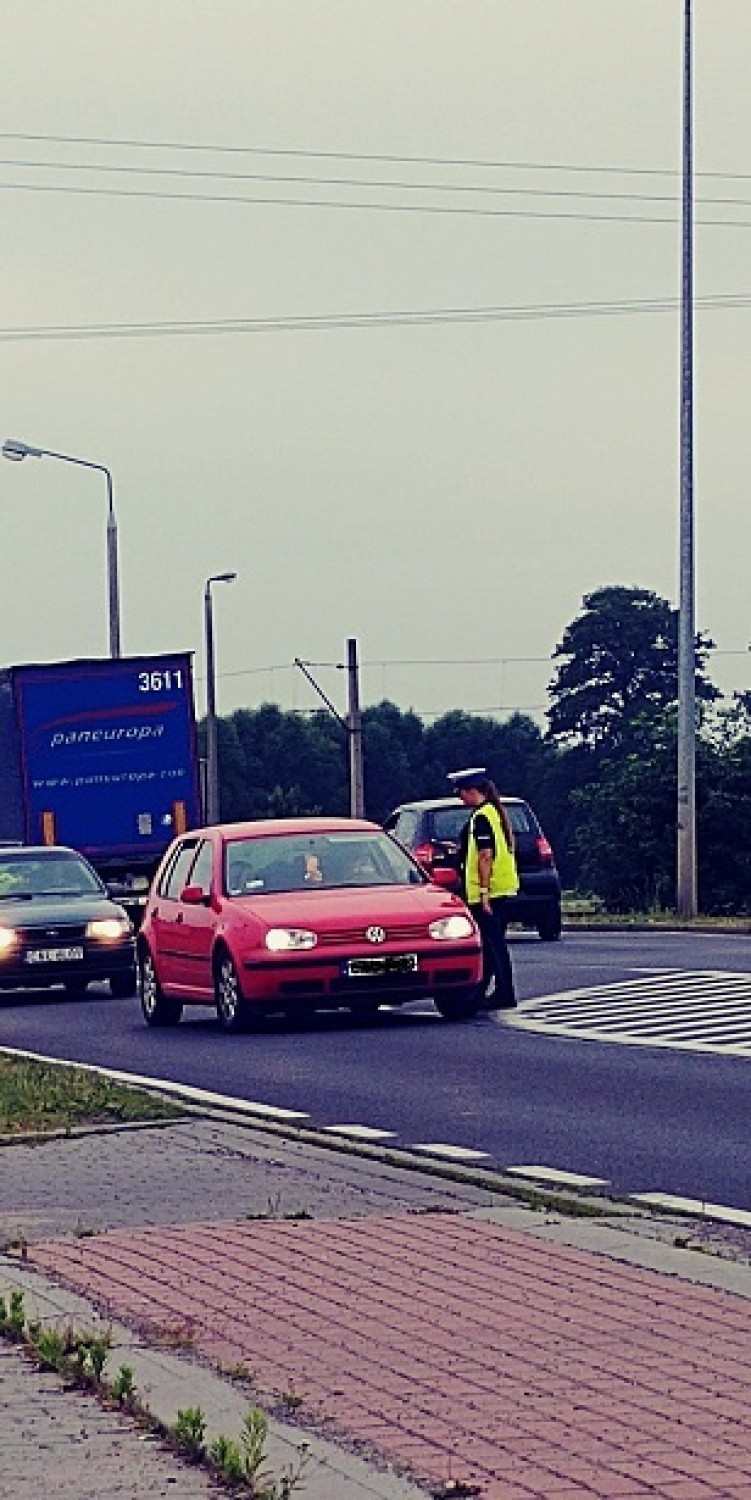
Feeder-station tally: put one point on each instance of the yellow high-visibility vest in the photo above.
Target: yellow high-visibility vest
(504, 880)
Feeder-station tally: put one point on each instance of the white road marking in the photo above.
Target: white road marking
(452, 1153)
(361, 1132)
(694, 1206)
(701, 1011)
(554, 1174)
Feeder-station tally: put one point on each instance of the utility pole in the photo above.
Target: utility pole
(686, 888)
(354, 726)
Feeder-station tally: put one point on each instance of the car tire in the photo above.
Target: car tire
(158, 1009)
(549, 926)
(463, 1005)
(231, 1005)
(122, 986)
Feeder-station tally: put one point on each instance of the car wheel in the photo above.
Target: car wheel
(124, 985)
(158, 1009)
(231, 1006)
(549, 926)
(463, 1005)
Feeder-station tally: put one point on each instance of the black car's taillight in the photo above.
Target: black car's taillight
(544, 850)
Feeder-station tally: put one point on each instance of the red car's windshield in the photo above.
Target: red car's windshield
(295, 862)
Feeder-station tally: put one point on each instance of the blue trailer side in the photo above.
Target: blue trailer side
(105, 757)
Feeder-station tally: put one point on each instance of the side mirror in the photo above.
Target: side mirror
(194, 895)
(445, 877)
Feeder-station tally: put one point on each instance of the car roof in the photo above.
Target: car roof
(428, 804)
(273, 826)
(33, 851)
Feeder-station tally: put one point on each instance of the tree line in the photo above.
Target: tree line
(601, 777)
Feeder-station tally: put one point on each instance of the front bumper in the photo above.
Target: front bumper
(99, 961)
(322, 979)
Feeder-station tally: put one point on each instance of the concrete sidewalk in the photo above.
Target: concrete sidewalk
(421, 1336)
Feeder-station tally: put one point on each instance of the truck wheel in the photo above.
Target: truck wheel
(122, 986)
(231, 1006)
(463, 1005)
(549, 926)
(158, 1009)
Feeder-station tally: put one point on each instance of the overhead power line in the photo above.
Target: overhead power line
(364, 205)
(406, 317)
(309, 180)
(307, 153)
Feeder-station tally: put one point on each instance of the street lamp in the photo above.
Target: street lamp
(686, 885)
(212, 759)
(16, 451)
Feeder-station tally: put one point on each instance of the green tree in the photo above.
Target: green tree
(618, 660)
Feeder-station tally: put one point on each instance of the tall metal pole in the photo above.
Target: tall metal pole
(686, 890)
(211, 811)
(211, 797)
(113, 572)
(354, 725)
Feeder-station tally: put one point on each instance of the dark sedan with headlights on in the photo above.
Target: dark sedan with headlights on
(301, 914)
(59, 926)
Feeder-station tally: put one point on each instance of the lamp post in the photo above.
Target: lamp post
(16, 451)
(211, 810)
(686, 893)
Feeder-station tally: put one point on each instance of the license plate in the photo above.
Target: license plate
(387, 963)
(53, 955)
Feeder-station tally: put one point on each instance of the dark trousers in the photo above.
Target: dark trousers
(496, 960)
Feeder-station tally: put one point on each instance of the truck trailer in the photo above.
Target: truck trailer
(100, 755)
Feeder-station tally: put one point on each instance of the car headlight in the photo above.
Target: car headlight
(451, 927)
(289, 939)
(8, 939)
(108, 929)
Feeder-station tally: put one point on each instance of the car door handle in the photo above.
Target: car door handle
(179, 917)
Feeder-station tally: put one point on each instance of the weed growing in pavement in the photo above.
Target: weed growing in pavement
(81, 1356)
(123, 1387)
(291, 1399)
(225, 1455)
(12, 1316)
(189, 1432)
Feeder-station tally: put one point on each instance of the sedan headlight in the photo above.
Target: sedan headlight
(289, 939)
(451, 927)
(108, 929)
(8, 940)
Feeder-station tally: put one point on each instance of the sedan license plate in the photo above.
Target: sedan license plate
(387, 963)
(53, 955)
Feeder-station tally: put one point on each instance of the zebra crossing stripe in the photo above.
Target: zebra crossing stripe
(703, 1011)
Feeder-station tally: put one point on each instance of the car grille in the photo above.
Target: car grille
(63, 933)
(396, 932)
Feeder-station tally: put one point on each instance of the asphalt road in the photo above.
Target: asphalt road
(646, 1117)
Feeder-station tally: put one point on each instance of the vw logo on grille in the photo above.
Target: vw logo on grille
(375, 934)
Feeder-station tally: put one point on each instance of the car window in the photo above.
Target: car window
(405, 827)
(53, 874)
(200, 872)
(448, 822)
(177, 876)
(298, 862)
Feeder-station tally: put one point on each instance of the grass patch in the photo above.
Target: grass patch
(37, 1098)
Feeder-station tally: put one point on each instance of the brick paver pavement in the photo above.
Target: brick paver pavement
(461, 1349)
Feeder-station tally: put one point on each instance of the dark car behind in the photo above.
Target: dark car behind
(58, 925)
(431, 830)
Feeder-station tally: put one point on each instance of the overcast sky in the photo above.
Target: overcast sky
(444, 490)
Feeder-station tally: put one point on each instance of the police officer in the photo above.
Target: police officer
(489, 876)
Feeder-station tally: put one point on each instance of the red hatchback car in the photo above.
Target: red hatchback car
(301, 914)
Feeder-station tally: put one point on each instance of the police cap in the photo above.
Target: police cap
(473, 776)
